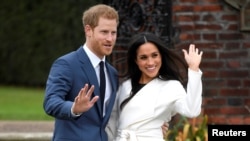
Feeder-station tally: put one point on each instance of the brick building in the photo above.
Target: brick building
(216, 27)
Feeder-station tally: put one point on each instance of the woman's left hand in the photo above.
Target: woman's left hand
(164, 128)
(193, 57)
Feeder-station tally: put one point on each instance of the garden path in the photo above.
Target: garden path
(26, 126)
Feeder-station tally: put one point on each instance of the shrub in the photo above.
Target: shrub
(189, 130)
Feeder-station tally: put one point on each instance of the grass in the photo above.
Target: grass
(20, 103)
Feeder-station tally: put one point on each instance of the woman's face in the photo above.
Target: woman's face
(149, 62)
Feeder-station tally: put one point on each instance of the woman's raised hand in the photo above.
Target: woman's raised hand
(193, 57)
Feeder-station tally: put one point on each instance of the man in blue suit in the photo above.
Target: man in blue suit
(72, 94)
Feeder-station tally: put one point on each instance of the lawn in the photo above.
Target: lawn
(20, 103)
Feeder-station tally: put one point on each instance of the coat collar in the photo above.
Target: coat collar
(142, 102)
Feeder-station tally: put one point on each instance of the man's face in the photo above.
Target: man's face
(102, 38)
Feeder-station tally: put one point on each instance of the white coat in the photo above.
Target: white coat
(157, 102)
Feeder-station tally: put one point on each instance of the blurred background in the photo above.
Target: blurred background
(33, 33)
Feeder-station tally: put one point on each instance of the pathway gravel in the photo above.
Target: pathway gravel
(26, 126)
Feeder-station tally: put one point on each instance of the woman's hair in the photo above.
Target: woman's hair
(173, 66)
(92, 15)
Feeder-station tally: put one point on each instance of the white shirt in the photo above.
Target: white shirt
(95, 63)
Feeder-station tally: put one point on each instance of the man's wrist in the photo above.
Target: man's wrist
(75, 114)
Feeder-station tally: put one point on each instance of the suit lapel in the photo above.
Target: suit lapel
(88, 69)
(114, 83)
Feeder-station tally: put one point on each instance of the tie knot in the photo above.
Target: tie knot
(101, 64)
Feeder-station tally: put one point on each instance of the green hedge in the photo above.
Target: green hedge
(34, 33)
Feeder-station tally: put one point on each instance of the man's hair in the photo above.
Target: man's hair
(92, 15)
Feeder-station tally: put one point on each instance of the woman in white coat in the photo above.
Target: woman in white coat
(158, 85)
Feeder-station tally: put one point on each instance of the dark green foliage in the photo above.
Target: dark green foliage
(34, 33)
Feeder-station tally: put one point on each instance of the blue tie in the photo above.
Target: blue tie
(102, 83)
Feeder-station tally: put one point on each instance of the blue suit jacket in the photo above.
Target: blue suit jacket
(67, 76)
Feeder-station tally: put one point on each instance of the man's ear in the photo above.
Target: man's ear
(88, 30)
